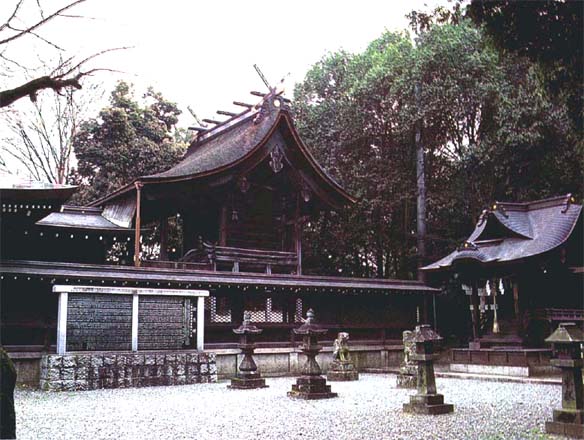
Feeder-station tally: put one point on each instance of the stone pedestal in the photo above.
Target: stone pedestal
(426, 400)
(568, 421)
(248, 382)
(408, 370)
(248, 376)
(342, 371)
(311, 385)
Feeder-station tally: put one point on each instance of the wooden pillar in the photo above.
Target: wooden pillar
(474, 310)
(62, 323)
(298, 237)
(137, 226)
(517, 309)
(223, 226)
(163, 256)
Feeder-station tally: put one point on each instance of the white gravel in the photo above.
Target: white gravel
(368, 409)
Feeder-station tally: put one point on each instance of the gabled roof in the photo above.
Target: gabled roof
(236, 145)
(512, 231)
(85, 218)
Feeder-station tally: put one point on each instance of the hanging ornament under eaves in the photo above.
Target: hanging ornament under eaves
(243, 184)
(305, 192)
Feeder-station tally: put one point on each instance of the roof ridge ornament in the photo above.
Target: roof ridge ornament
(499, 207)
(468, 246)
(483, 216)
(569, 200)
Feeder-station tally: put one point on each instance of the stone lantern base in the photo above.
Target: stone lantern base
(405, 380)
(569, 423)
(342, 371)
(248, 382)
(430, 404)
(311, 388)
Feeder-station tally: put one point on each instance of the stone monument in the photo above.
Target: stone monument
(248, 376)
(311, 385)
(408, 370)
(426, 400)
(342, 368)
(569, 420)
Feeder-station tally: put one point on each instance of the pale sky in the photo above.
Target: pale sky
(201, 53)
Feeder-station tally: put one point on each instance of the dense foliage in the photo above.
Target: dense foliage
(490, 131)
(547, 32)
(125, 141)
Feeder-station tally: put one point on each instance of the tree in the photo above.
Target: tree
(362, 110)
(548, 33)
(349, 110)
(125, 141)
(16, 31)
(40, 135)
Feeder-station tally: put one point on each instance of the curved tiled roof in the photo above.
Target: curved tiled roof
(223, 148)
(532, 228)
(230, 143)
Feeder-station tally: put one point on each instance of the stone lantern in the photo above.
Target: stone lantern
(426, 400)
(569, 420)
(311, 385)
(248, 376)
(408, 370)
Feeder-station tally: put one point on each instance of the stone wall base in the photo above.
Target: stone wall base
(502, 370)
(274, 362)
(90, 371)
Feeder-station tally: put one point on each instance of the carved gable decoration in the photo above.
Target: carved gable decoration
(276, 157)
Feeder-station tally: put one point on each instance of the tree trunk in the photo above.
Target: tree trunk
(421, 186)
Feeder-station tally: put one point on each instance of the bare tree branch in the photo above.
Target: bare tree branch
(40, 136)
(34, 34)
(67, 71)
(32, 87)
(7, 23)
(40, 23)
(67, 74)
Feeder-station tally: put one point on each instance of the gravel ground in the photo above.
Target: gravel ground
(368, 409)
